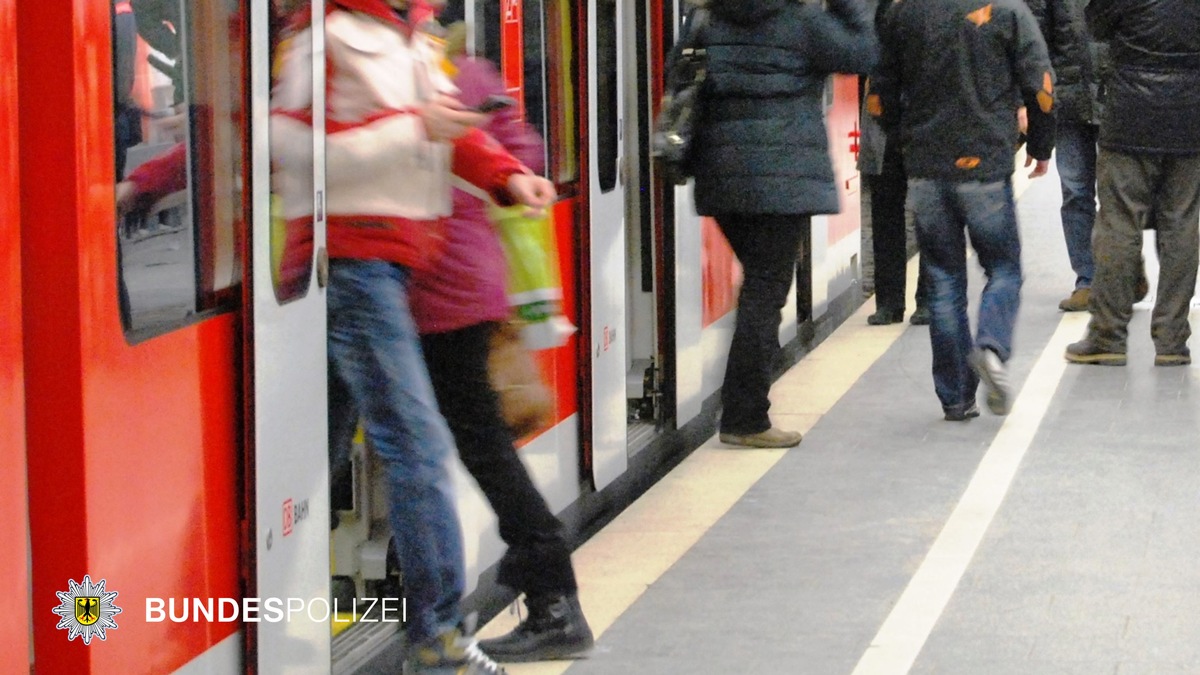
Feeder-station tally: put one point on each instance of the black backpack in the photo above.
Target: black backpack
(675, 127)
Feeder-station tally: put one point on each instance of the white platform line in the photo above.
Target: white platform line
(903, 634)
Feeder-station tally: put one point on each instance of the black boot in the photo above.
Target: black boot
(554, 629)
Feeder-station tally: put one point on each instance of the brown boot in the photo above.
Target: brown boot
(1077, 302)
(771, 438)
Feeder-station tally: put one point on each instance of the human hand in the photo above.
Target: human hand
(1043, 165)
(446, 118)
(533, 191)
(1022, 120)
(126, 196)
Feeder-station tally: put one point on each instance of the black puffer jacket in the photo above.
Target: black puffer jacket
(1154, 93)
(761, 145)
(1079, 60)
(952, 77)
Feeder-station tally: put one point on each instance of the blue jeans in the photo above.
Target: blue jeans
(1075, 155)
(376, 370)
(946, 213)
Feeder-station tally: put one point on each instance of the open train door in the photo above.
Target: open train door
(288, 481)
(607, 175)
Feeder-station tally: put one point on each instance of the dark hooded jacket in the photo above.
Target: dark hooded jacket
(1153, 95)
(761, 145)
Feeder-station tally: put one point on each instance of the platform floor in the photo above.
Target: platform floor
(1062, 538)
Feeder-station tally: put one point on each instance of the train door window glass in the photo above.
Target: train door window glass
(550, 75)
(291, 236)
(607, 113)
(178, 108)
(560, 125)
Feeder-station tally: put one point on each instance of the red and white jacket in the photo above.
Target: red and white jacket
(388, 186)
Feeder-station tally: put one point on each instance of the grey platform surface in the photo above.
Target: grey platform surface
(1091, 565)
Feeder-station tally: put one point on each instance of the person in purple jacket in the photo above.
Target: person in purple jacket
(457, 305)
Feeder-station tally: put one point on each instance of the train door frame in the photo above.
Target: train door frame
(647, 293)
(606, 252)
(14, 498)
(287, 449)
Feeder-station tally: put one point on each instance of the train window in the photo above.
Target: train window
(178, 98)
(548, 30)
(555, 95)
(607, 112)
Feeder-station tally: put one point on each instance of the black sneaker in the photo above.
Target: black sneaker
(921, 317)
(962, 413)
(554, 629)
(884, 316)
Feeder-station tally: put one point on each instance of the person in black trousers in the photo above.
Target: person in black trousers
(761, 164)
(881, 161)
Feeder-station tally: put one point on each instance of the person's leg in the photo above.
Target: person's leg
(941, 236)
(374, 351)
(538, 559)
(1075, 153)
(992, 224)
(766, 245)
(1124, 184)
(889, 239)
(1177, 213)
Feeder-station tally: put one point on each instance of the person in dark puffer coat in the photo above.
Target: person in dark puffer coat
(761, 165)
(1148, 172)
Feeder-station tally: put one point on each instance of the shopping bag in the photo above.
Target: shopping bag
(526, 403)
(534, 285)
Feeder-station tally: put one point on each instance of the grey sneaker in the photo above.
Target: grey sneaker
(991, 371)
(454, 652)
(771, 438)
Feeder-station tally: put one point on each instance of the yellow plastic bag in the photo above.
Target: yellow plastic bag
(534, 283)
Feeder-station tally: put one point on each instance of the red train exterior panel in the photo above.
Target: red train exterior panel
(14, 515)
(132, 448)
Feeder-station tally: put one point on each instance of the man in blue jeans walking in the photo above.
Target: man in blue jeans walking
(952, 74)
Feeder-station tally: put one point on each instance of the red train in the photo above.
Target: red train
(162, 379)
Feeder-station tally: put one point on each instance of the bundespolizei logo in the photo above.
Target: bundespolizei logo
(87, 610)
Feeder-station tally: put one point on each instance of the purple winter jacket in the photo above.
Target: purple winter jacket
(466, 285)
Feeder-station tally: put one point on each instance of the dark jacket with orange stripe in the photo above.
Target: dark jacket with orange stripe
(1154, 91)
(951, 75)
